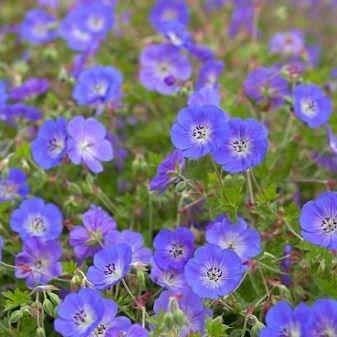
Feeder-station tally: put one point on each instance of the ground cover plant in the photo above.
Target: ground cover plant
(168, 168)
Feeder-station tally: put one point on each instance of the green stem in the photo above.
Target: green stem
(250, 187)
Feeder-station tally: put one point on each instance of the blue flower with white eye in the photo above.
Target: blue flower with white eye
(13, 185)
(244, 145)
(213, 272)
(198, 130)
(111, 264)
(311, 105)
(35, 218)
(49, 147)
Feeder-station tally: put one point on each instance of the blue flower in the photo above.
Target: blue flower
(111, 264)
(244, 241)
(173, 248)
(318, 220)
(49, 147)
(265, 85)
(98, 85)
(3, 93)
(199, 130)
(332, 140)
(80, 313)
(311, 105)
(166, 11)
(88, 239)
(205, 96)
(209, 74)
(13, 113)
(163, 68)
(134, 330)
(242, 20)
(38, 27)
(213, 272)
(166, 171)
(289, 43)
(192, 307)
(322, 319)
(175, 33)
(87, 143)
(38, 263)
(2, 244)
(244, 145)
(13, 185)
(96, 18)
(35, 218)
(30, 88)
(282, 320)
(140, 255)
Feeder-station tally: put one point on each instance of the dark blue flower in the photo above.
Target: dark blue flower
(13, 185)
(166, 11)
(98, 85)
(35, 218)
(87, 143)
(79, 313)
(111, 264)
(190, 305)
(244, 145)
(311, 105)
(265, 85)
(318, 220)
(38, 263)
(198, 130)
(49, 147)
(163, 68)
(88, 239)
(322, 319)
(12, 113)
(38, 27)
(166, 172)
(244, 241)
(173, 248)
(213, 272)
(282, 320)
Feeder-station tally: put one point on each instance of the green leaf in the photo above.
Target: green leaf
(215, 327)
(69, 267)
(16, 298)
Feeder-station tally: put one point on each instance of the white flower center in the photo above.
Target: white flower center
(96, 22)
(200, 133)
(240, 147)
(37, 224)
(309, 108)
(328, 224)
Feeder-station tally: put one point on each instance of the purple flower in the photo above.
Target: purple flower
(166, 171)
(80, 313)
(318, 220)
(244, 241)
(140, 255)
(170, 279)
(198, 130)
(3, 93)
(38, 263)
(2, 244)
(38, 27)
(163, 67)
(88, 239)
(12, 113)
(204, 96)
(213, 272)
(96, 18)
(265, 85)
(49, 147)
(213, 5)
(35, 218)
(282, 320)
(111, 264)
(134, 330)
(72, 32)
(311, 105)
(242, 20)
(287, 43)
(167, 11)
(327, 161)
(244, 145)
(109, 321)
(176, 33)
(332, 140)
(30, 88)
(98, 85)
(49, 3)
(192, 307)
(201, 52)
(322, 319)
(87, 143)
(209, 74)
(13, 185)
(173, 248)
